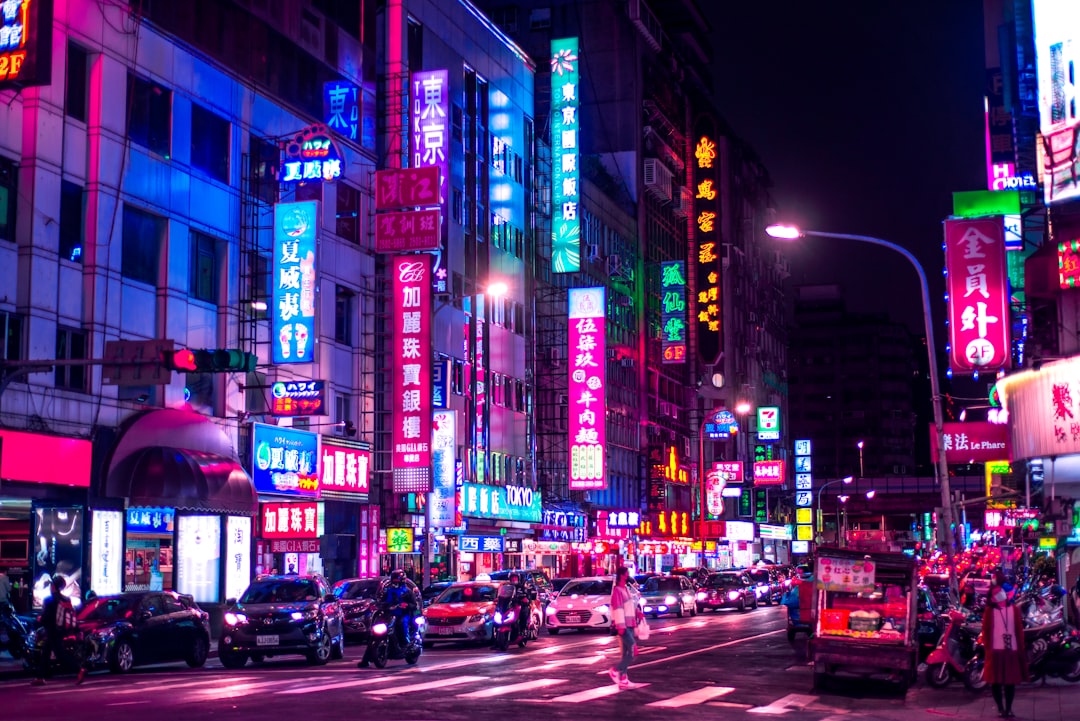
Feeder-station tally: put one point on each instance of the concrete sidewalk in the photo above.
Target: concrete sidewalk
(1056, 700)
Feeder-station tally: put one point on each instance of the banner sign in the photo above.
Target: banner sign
(971, 442)
(411, 457)
(198, 557)
(296, 228)
(673, 311)
(400, 188)
(107, 552)
(286, 461)
(587, 368)
(480, 544)
(978, 291)
(341, 108)
(408, 231)
(291, 520)
(311, 156)
(290, 399)
(705, 235)
(768, 473)
(564, 526)
(510, 503)
(345, 469)
(295, 546)
(565, 152)
(443, 499)
(237, 555)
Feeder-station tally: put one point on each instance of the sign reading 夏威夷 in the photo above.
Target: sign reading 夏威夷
(150, 520)
(511, 503)
(565, 199)
(286, 461)
(295, 230)
(311, 156)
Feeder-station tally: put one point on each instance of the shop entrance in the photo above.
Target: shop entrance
(148, 549)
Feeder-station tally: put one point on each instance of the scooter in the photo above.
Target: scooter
(40, 658)
(1052, 650)
(385, 645)
(14, 632)
(953, 651)
(507, 618)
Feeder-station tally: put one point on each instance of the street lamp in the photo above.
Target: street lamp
(790, 232)
(821, 492)
(862, 473)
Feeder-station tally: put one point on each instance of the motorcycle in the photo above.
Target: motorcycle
(954, 649)
(1052, 650)
(40, 657)
(508, 627)
(385, 645)
(14, 632)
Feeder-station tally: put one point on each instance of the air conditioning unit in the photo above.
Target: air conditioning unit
(658, 180)
(683, 202)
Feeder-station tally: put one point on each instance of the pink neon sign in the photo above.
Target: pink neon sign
(587, 359)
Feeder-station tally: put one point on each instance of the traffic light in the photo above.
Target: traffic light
(210, 361)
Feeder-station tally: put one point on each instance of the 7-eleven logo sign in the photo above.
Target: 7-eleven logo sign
(768, 423)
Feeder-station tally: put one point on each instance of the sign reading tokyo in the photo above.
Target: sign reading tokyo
(311, 156)
(295, 229)
(565, 151)
(431, 124)
(977, 286)
(25, 43)
(286, 461)
(344, 467)
(298, 398)
(291, 520)
(510, 503)
(411, 399)
(673, 311)
(587, 367)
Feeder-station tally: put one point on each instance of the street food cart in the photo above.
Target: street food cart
(866, 615)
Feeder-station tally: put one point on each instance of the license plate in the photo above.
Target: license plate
(575, 619)
(442, 630)
(268, 640)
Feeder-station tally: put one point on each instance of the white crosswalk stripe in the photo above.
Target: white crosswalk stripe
(513, 688)
(791, 702)
(428, 686)
(691, 698)
(593, 693)
(316, 688)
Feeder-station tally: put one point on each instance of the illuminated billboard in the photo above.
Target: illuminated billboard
(296, 228)
(978, 293)
(1057, 52)
(565, 152)
(26, 29)
(673, 311)
(411, 457)
(705, 235)
(587, 359)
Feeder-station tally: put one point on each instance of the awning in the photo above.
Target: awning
(180, 459)
(184, 479)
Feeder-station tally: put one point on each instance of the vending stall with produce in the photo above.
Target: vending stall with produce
(865, 625)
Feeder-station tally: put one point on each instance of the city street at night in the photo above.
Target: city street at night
(723, 665)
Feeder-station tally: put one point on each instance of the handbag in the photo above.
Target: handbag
(641, 631)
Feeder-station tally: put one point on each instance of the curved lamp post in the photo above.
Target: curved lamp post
(790, 232)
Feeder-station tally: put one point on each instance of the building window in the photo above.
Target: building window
(203, 267)
(149, 115)
(70, 345)
(72, 212)
(210, 143)
(12, 327)
(9, 193)
(344, 313)
(143, 238)
(343, 413)
(264, 157)
(77, 81)
(348, 213)
(309, 191)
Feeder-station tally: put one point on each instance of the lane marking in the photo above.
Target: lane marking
(171, 686)
(513, 688)
(580, 661)
(233, 691)
(791, 702)
(493, 658)
(594, 693)
(126, 703)
(333, 686)
(710, 648)
(690, 698)
(413, 688)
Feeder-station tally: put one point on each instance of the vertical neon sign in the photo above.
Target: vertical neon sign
(588, 356)
(707, 233)
(565, 199)
(977, 285)
(430, 145)
(411, 400)
(295, 229)
(673, 311)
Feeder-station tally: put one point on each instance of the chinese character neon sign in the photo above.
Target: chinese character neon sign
(294, 281)
(673, 311)
(978, 293)
(566, 201)
(311, 156)
(1069, 264)
(707, 241)
(587, 360)
(25, 43)
(341, 108)
(411, 399)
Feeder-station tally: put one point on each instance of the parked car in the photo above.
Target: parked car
(661, 595)
(462, 612)
(727, 589)
(282, 615)
(558, 583)
(430, 593)
(535, 576)
(767, 584)
(698, 575)
(357, 597)
(133, 629)
(641, 578)
(582, 604)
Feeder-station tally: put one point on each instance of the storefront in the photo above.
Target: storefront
(174, 510)
(43, 492)
(775, 543)
(737, 544)
(351, 547)
(508, 512)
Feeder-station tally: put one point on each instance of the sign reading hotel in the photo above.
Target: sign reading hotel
(587, 361)
(673, 311)
(978, 291)
(411, 399)
(565, 152)
(25, 43)
(293, 333)
(705, 233)
(311, 156)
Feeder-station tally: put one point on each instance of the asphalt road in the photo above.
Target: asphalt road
(724, 665)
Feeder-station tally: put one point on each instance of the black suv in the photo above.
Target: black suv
(279, 615)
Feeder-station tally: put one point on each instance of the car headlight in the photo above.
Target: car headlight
(732, 595)
(235, 619)
(551, 611)
(498, 617)
(701, 595)
(379, 629)
(477, 618)
(670, 600)
(603, 608)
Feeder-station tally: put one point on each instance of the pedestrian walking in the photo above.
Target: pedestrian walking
(58, 619)
(625, 614)
(1006, 657)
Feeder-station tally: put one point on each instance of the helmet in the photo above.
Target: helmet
(397, 576)
(515, 579)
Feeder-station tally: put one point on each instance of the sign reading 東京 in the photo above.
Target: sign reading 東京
(430, 147)
(411, 455)
(294, 282)
(566, 152)
(673, 311)
(311, 156)
(341, 108)
(978, 292)
(587, 365)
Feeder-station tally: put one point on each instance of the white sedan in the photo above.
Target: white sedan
(583, 603)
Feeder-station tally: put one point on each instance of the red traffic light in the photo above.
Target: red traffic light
(182, 361)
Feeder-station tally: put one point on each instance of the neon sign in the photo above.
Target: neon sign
(311, 156)
(565, 223)
(673, 311)
(1069, 264)
(588, 359)
(25, 43)
(706, 234)
(295, 230)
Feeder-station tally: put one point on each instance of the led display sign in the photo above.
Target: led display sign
(705, 234)
(298, 398)
(665, 523)
(510, 503)
(341, 108)
(294, 281)
(286, 461)
(673, 311)
(565, 151)
(411, 399)
(311, 156)
(978, 293)
(25, 43)
(587, 369)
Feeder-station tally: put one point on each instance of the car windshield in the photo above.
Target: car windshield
(587, 588)
(662, 585)
(434, 590)
(281, 591)
(349, 590)
(760, 576)
(723, 580)
(467, 594)
(110, 610)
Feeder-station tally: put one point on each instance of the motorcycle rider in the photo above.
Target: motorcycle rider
(58, 619)
(523, 597)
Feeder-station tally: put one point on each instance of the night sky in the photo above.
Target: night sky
(867, 116)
